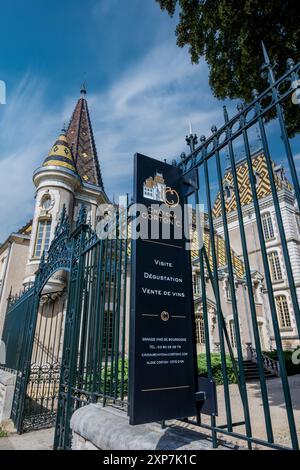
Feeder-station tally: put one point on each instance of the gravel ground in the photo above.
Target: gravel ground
(35, 440)
(277, 410)
(43, 439)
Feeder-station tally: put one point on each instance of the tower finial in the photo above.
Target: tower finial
(63, 129)
(191, 139)
(83, 89)
(265, 53)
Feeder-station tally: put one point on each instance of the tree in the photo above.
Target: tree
(228, 34)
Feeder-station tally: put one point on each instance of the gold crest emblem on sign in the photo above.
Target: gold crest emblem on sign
(172, 197)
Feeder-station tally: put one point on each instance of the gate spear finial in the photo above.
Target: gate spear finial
(191, 139)
(267, 64)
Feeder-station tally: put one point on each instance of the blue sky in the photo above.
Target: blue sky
(142, 90)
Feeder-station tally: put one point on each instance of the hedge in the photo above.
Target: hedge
(202, 371)
(216, 364)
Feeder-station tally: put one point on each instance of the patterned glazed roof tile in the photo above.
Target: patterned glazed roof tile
(81, 139)
(220, 248)
(237, 263)
(26, 229)
(263, 184)
(61, 155)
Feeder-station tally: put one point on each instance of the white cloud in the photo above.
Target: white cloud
(27, 130)
(297, 165)
(145, 110)
(148, 109)
(104, 7)
(297, 157)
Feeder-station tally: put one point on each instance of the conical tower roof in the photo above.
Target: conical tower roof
(61, 155)
(81, 138)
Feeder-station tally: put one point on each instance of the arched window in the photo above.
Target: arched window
(267, 226)
(275, 266)
(283, 311)
(43, 237)
(200, 331)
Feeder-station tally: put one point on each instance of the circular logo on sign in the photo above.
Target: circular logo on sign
(172, 197)
(165, 316)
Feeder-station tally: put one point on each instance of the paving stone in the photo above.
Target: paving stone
(35, 440)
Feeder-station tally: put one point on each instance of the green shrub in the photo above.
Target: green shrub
(108, 378)
(216, 364)
(109, 384)
(202, 371)
(3, 433)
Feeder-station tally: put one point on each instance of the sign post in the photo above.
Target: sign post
(162, 343)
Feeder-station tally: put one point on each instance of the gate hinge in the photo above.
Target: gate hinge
(200, 396)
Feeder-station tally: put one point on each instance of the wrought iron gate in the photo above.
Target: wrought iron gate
(238, 184)
(234, 284)
(41, 397)
(41, 310)
(94, 364)
(72, 348)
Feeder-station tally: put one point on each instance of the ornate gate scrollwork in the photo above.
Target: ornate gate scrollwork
(37, 389)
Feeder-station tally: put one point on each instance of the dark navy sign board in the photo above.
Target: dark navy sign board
(162, 354)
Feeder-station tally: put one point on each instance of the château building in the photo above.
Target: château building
(70, 177)
(291, 219)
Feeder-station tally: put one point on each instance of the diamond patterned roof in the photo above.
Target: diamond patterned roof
(61, 155)
(263, 184)
(81, 139)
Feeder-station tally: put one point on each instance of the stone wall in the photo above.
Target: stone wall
(97, 428)
(7, 388)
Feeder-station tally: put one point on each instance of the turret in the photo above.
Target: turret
(56, 182)
(70, 176)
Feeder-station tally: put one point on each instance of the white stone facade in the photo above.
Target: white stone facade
(291, 222)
